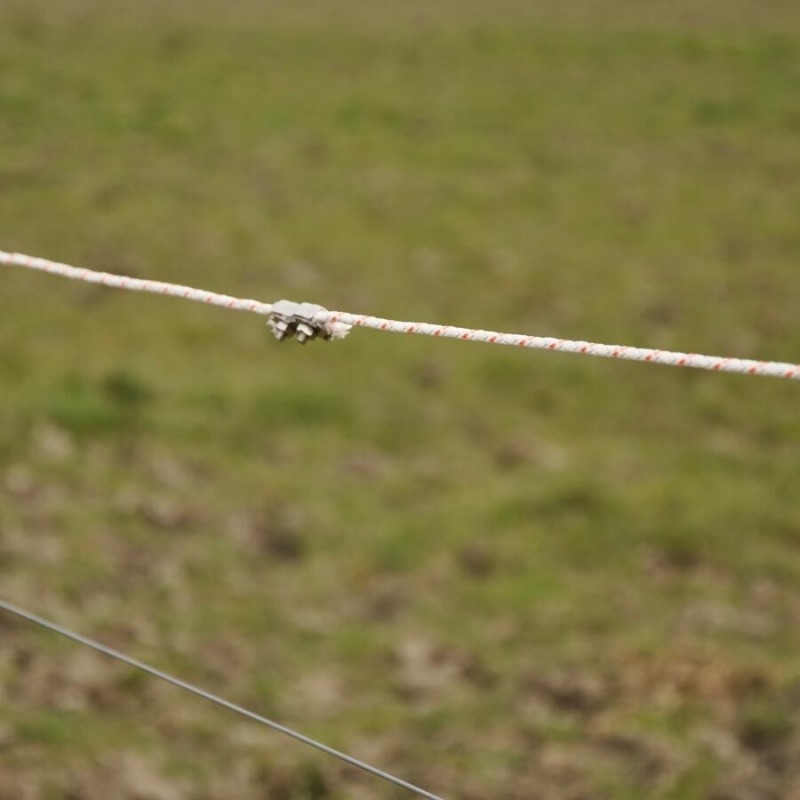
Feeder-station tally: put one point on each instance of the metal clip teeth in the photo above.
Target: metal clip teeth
(289, 319)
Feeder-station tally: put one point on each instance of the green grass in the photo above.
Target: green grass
(492, 572)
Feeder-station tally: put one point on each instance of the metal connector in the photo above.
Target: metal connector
(289, 319)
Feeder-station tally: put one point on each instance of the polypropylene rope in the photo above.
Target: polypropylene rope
(676, 359)
(134, 284)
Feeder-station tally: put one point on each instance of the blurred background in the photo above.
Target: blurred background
(498, 574)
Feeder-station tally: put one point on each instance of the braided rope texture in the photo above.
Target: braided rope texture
(622, 352)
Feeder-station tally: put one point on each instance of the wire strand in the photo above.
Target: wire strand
(775, 369)
(212, 698)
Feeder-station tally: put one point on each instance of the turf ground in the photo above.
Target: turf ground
(498, 574)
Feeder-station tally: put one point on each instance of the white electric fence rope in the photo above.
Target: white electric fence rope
(134, 284)
(188, 687)
(335, 322)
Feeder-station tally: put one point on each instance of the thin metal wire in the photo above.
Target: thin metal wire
(333, 320)
(188, 687)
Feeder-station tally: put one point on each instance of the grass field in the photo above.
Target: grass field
(498, 574)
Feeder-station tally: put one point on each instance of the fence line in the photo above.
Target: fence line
(54, 627)
(306, 321)
(335, 324)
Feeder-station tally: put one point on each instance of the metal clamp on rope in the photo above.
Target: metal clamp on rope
(299, 320)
